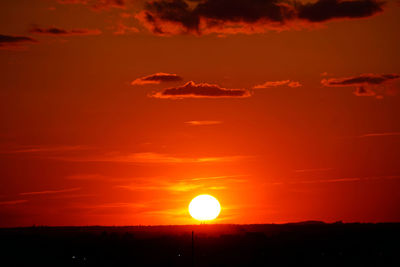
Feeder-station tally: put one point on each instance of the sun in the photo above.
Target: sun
(204, 208)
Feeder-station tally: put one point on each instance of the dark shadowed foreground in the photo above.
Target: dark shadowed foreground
(301, 244)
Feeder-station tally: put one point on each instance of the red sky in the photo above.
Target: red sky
(120, 112)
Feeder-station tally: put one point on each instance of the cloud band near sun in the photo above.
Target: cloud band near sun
(166, 17)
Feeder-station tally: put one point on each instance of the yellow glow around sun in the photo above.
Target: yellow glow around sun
(204, 208)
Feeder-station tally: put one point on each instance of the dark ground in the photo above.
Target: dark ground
(300, 244)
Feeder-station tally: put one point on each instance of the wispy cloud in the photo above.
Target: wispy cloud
(157, 78)
(113, 205)
(269, 84)
(122, 29)
(63, 32)
(178, 186)
(203, 123)
(97, 4)
(313, 170)
(12, 202)
(47, 192)
(150, 157)
(183, 185)
(340, 180)
(380, 134)
(43, 149)
(225, 177)
(95, 177)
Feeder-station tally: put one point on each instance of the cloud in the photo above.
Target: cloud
(233, 178)
(248, 16)
(364, 91)
(44, 149)
(365, 84)
(88, 177)
(12, 42)
(47, 192)
(146, 158)
(362, 79)
(313, 170)
(183, 185)
(342, 180)
(97, 4)
(67, 153)
(62, 32)
(157, 78)
(12, 202)
(203, 123)
(179, 186)
(201, 90)
(122, 29)
(380, 134)
(324, 10)
(269, 84)
(150, 157)
(338, 180)
(114, 205)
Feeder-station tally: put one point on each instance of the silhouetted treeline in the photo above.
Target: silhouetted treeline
(300, 244)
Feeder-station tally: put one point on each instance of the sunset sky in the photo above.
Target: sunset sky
(119, 112)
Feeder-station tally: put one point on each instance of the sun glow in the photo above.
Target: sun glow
(204, 208)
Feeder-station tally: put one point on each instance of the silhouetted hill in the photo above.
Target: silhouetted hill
(309, 243)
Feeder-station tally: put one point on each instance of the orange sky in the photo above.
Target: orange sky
(120, 112)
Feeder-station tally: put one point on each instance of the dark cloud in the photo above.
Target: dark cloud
(324, 10)
(247, 16)
(364, 91)
(157, 78)
(97, 4)
(14, 42)
(373, 79)
(365, 84)
(63, 32)
(201, 90)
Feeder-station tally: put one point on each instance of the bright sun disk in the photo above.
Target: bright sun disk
(204, 208)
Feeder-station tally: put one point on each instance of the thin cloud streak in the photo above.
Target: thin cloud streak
(203, 123)
(44, 149)
(183, 185)
(149, 157)
(47, 192)
(226, 177)
(97, 4)
(271, 84)
(12, 202)
(157, 78)
(313, 170)
(341, 180)
(380, 134)
(63, 32)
